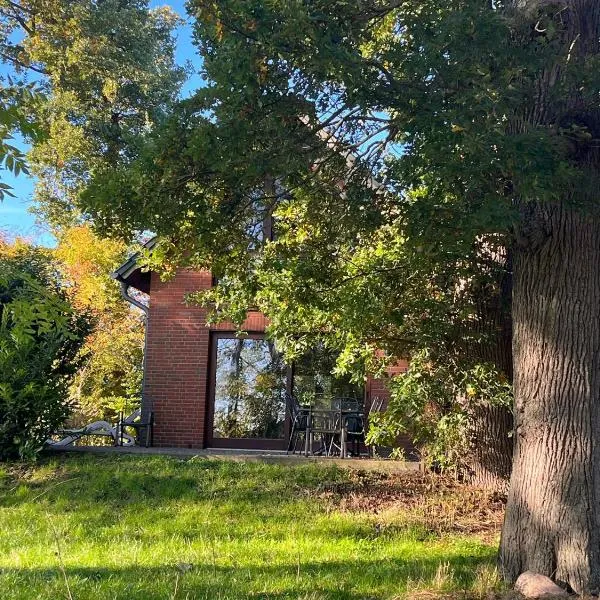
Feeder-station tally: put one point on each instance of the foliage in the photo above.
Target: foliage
(109, 74)
(109, 378)
(17, 103)
(266, 176)
(155, 527)
(433, 402)
(40, 336)
(353, 167)
(87, 261)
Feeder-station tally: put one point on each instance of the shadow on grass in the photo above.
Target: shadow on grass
(256, 530)
(351, 580)
(123, 480)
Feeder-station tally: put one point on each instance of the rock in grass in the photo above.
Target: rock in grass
(534, 585)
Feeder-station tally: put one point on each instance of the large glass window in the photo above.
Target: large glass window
(314, 384)
(250, 386)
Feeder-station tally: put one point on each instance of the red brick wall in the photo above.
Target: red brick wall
(378, 388)
(177, 360)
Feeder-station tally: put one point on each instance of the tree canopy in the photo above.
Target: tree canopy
(423, 98)
(107, 74)
(109, 377)
(369, 174)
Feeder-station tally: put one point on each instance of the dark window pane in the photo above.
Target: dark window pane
(314, 384)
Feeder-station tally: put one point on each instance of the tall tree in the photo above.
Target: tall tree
(108, 72)
(109, 374)
(553, 516)
(480, 121)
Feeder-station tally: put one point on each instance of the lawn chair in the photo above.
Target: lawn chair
(352, 418)
(299, 417)
(142, 424)
(326, 424)
(97, 428)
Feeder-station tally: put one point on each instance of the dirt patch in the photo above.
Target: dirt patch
(465, 595)
(435, 503)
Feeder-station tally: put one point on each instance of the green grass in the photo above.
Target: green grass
(112, 527)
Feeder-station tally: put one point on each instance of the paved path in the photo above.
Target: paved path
(369, 464)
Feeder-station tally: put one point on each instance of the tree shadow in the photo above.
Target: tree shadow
(250, 530)
(331, 580)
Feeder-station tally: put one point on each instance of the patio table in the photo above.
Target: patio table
(338, 425)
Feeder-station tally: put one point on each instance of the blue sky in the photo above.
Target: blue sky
(15, 220)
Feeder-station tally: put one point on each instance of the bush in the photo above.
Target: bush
(40, 336)
(434, 403)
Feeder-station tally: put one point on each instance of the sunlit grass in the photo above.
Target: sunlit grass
(103, 527)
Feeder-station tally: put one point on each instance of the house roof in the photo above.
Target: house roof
(131, 273)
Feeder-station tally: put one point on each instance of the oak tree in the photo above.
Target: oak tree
(394, 146)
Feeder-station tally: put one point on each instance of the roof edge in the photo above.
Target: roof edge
(123, 272)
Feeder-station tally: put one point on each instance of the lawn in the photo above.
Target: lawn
(151, 527)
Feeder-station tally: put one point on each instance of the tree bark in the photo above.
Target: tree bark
(490, 461)
(552, 523)
(492, 448)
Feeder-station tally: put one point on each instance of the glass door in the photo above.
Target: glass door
(248, 393)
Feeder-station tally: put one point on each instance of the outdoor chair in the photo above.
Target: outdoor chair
(355, 433)
(97, 428)
(308, 423)
(351, 412)
(325, 425)
(141, 423)
(299, 417)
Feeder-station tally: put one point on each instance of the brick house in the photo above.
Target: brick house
(191, 368)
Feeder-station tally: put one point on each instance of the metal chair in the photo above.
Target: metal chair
(328, 426)
(95, 429)
(143, 424)
(352, 419)
(299, 418)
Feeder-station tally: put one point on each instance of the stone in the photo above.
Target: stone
(534, 585)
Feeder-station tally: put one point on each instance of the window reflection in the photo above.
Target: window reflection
(315, 385)
(250, 390)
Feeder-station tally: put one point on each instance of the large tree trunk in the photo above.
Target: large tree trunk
(552, 523)
(490, 460)
(492, 447)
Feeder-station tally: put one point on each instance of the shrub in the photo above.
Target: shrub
(40, 336)
(434, 403)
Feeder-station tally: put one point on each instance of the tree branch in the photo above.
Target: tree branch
(21, 64)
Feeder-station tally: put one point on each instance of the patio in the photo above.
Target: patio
(247, 456)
